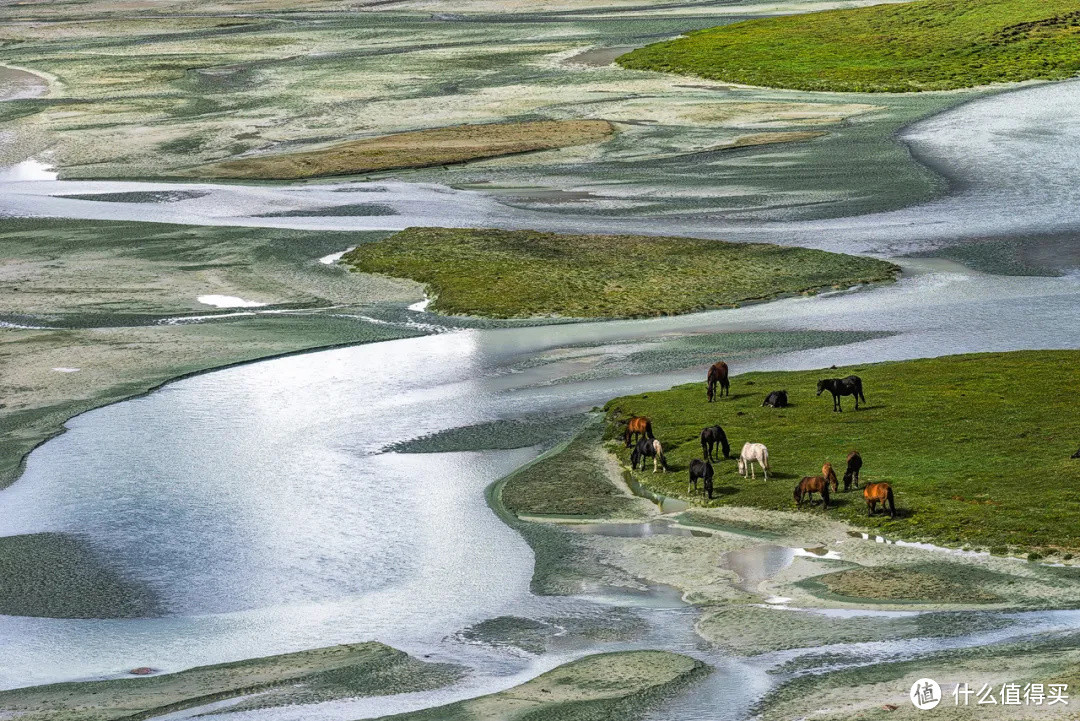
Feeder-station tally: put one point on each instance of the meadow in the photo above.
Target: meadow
(977, 447)
(521, 274)
(915, 46)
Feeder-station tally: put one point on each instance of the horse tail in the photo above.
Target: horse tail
(824, 495)
(765, 458)
(648, 429)
(859, 388)
(892, 503)
(663, 460)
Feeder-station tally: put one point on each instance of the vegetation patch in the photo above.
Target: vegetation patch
(921, 45)
(572, 480)
(416, 149)
(977, 447)
(493, 436)
(521, 274)
(323, 674)
(622, 685)
(56, 575)
(945, 583)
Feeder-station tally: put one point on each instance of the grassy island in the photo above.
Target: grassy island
(977, 447)
(921, 45)
(522, 274)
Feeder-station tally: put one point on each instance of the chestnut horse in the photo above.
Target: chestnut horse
(851, 475)
(830, 475)
(637, 427)
(810, 485)
(876, 493)
(718, 373)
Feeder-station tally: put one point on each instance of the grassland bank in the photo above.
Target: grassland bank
(521, 274)
(920, 45)
(976, 447)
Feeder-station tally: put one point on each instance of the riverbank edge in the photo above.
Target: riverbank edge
(66, 411)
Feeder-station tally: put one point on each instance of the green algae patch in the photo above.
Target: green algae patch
(416, 149)
(621, 685)
(523, 274)
(921, 45)
(953, 435)
(930, 583)
(55, 575)
(324, 674)
(493, 436)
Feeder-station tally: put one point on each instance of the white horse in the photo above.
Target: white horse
(754, 452)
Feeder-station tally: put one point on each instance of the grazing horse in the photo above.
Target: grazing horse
(718, 373)
(776, 399)
(1076, 455)
(829, 475)
(810, 485)
(850, 386)
(648, 448)
(851, 475)
(752, 452)
(703, 470)
(712, 437)
(637, 427)
(876, 493)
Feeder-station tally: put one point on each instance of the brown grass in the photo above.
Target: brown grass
(415, 149)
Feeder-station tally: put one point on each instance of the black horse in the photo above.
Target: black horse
(854, 465)
(850, 386)
(712, 436)
(1076, 455)
(648, 448)
(776, 399)
(703, 470)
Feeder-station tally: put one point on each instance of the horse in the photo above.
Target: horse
(776, 399)
(718, 373)
(637, 427)
(850, 386)
(703, 470)
(829, 475)
(810, 485)
(752, 452)
(851, 475)
(876, 493)
(1076, 455)
(648, 448)
(710, 438)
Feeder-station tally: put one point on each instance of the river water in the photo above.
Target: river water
(258, 500)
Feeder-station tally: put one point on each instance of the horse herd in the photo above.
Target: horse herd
(639, 435)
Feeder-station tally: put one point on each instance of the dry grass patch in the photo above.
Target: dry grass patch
(416, 149)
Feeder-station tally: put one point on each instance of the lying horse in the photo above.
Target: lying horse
(648, 448)
(637, 427)
(718, 373)
(710, 438)
(776, 399)
(876, 493)
(752, 452)
(851, 475)
(829, 475)
(850, 386)
(810, 485)
(703, 470)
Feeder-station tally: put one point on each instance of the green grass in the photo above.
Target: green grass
(976, 447)
(519, 274)
(921, 45)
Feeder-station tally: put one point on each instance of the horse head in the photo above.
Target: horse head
(742, 466)
(820, 387)
(798, 493)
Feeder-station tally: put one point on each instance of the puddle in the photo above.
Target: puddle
(757, 564)
(637, 530)
(916, 544)
(667, 505)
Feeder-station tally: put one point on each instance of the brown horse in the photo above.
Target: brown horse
(637, 427)
(718, 373)
(810, 485)
(851, 475)
(830, 476)
(876, 493)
